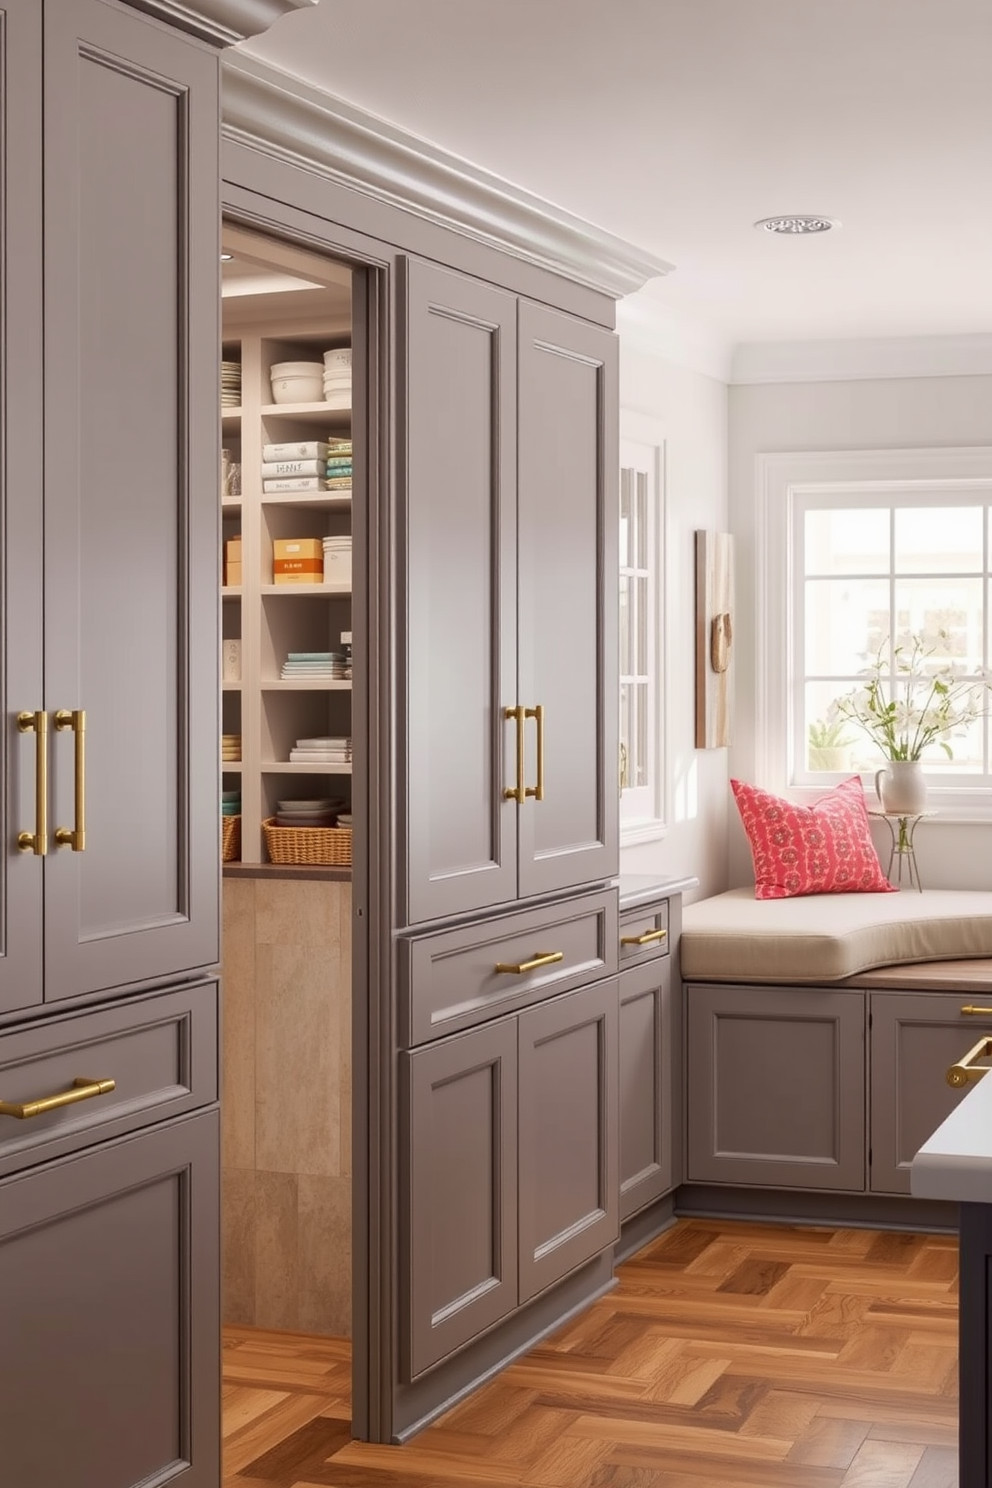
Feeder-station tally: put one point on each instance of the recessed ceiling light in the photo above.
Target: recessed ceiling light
(226, 257)
(797, 224)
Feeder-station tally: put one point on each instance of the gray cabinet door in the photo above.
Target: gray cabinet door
(457, 604)
(650, 1060)
(568, 586)
(775, 1081)
(20, 492)
(569, 1171)
(458, 1191)
(109, 1312)
(915, 1038)
(131, 427)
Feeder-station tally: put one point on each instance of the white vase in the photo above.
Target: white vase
(901, 787)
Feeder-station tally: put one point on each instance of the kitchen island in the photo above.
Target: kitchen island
(956, 1163)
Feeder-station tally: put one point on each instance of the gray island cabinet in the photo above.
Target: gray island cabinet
(956, 1163)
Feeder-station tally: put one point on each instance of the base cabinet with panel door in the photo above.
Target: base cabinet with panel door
(509, 1173)
(509, 522)
(775, 1086)
(915, 1037)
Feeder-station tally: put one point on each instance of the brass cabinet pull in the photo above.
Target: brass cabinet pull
(37, 841)
(516, 792)
(537, 791)
(543, 958)
(959, 1074)
(977, 1012)
(645, 939)
(82, 1089)
(75, 837)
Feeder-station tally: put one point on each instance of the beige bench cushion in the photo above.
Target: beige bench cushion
(734, 937)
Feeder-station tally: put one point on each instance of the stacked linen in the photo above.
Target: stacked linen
(306, 665)
(338, 466)
(230, 747)
(321, 752)
(337, 377)
(294, 467)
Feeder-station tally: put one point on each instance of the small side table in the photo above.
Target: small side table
(902, 829)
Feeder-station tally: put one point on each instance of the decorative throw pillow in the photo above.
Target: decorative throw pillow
(825, 848)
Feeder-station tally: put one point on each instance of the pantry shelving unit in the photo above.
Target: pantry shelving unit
(271, 620)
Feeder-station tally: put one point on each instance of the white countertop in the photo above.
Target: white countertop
(956, 1163)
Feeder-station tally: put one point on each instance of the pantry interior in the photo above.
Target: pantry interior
(289, 477)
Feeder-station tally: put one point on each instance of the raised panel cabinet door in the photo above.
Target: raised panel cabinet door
(131, 531)
(458, 1191)
(21, 466)
(109, 1307)
(457, 612)
(649, 1062)
(915, 1038)
(569, 1138)
(568, 597)
(775, 1080)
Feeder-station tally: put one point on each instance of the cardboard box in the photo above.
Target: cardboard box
(297, 547)
(232, 550)
(232, 574)
(299, 576)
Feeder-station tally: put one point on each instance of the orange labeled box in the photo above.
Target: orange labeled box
(298, 560)
(232, 561)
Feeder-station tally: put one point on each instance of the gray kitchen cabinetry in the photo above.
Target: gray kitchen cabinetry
(509, 522)
(775, 1080)
(109, 1249)
(108, 1307)
(509, 1174)
(915, 1038)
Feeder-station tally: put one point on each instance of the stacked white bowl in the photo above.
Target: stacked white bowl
(296, 382)
(337, 377)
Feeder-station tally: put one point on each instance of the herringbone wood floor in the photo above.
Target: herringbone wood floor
(744, 1356)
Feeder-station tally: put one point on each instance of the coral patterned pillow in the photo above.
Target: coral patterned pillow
(825, 848)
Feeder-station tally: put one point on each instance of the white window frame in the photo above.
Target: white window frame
(781, 480)
(644, 809)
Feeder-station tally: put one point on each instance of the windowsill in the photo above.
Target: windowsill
(954, 806)
(639, 832)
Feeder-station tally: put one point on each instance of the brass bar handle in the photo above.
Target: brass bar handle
(537, 791)
(37, 841)
(75, 719)
(543, 958)
(959, 1074)
(977, 1012)
(516, 792)
(646, 939)
(82, 1089)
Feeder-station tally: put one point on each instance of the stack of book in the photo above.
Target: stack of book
(321, 752)
(305, 665)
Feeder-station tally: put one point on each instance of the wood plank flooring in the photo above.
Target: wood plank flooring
(739, 1355)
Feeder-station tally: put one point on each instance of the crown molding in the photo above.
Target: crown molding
(860, 360)
(674, 338)
(272, 111)
(222, 22)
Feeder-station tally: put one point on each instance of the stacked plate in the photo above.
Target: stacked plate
(337, 377)
(230, 747)
(321, 752)
(314, 813)
(337, 561)
(230, 384)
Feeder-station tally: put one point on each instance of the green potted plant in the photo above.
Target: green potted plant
(828, 747)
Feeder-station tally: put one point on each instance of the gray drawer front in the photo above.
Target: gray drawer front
(449, 981)
(160, 1050)
(646, 920)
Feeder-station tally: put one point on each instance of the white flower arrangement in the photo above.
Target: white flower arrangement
(933, 701)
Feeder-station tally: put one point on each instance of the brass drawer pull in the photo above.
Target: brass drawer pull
(82, 1089)
(648, 938)
(977, 1012)
(543, 958)
(516, 792)
(959, 1074)
(75, 837)
(37, 841)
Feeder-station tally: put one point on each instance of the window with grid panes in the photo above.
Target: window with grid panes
(640, 764)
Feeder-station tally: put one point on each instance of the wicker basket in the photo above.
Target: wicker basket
(230, 841)
(326, 846)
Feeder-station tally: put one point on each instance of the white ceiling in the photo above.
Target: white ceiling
(677, 123)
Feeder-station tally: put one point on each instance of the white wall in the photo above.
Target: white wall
(692, 409)
(897, 413)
